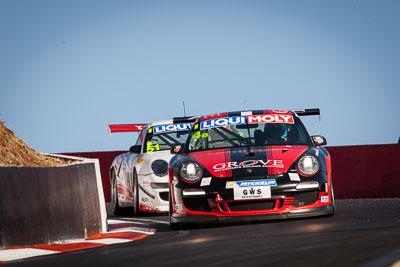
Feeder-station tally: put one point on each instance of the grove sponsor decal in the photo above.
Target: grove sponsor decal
(219, 122)
(276, 163)
(250, 183)
(172, 128)
(276, 118)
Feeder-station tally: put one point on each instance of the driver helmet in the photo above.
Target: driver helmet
(276, 130)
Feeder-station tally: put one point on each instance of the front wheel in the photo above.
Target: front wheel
(333, 200)
(136, 203)
(175, 226)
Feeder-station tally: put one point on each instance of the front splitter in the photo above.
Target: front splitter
(302, 213)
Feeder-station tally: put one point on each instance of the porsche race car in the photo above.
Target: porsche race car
(139, 179)
(249, 165)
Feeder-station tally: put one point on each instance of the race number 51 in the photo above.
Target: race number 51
(151, 147)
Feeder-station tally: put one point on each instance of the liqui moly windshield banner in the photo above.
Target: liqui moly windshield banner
(220, 122)
(270, 118)
(172, 128)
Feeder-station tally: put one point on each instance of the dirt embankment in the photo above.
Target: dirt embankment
(14, 152)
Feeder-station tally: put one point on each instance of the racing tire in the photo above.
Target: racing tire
(136, 210)
(115, 208)
(177, 226)
(174, 226)
(333, 201)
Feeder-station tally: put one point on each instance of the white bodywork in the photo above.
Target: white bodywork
(152, 189)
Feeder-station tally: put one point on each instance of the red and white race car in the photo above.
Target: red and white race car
(250, 165)
(139, 179)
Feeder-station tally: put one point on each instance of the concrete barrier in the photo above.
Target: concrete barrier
(362, 171)
(50, 205)
(105, 158)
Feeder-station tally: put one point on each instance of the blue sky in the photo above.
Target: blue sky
(69, 68)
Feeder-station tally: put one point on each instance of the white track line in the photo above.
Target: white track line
(113, 221)
(108, 241)
(145, 220)
(134, 230)
(144, 230)
(21, 253)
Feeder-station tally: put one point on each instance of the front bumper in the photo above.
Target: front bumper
(300, 213)
(153, 193)
(285, 202)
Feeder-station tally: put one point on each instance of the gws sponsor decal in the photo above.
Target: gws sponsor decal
(276, 163)
(276, 118)
(219, 122)
(257, 192)
(251, 183)
(172, 128)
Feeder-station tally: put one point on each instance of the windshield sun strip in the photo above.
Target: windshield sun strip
(172, 139)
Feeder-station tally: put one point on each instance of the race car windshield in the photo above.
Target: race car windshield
(165, 141)
(242, 135)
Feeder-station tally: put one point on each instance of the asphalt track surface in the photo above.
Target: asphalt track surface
(361, 233)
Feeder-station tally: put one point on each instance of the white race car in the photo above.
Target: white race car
(139, 179)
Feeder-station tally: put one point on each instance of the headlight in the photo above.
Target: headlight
(308, 165)
(160, 167)
(191, 172)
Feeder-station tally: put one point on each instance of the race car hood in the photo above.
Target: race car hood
(256, 161)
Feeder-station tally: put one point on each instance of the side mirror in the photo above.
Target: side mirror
(177, 149)
(319, 140)
(135, 149)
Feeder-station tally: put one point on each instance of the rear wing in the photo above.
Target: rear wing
(185, 119)
(126, 127)
(307, 112)
(299, 112)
